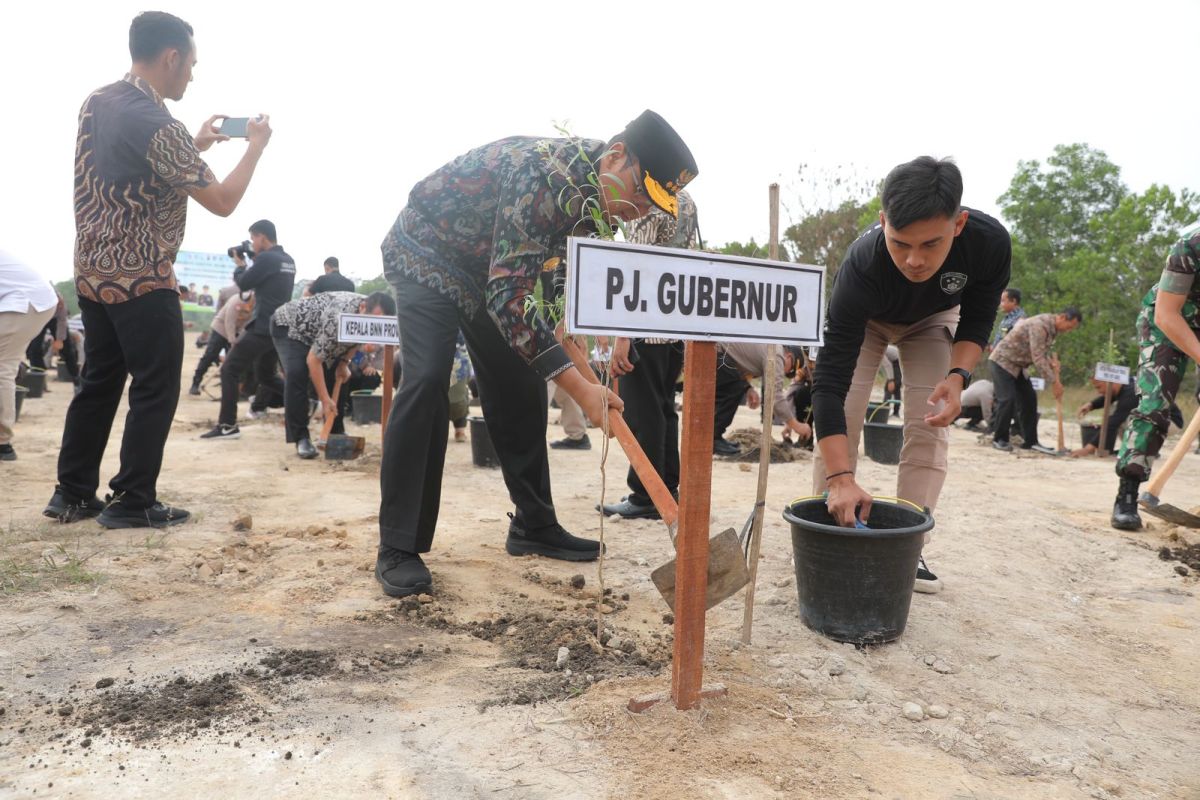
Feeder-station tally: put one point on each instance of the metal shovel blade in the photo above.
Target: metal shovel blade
(727, 570)
(1168, 512)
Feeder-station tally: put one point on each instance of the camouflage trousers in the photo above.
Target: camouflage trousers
(1160, 371)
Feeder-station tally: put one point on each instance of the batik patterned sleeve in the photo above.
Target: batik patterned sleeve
(174, 158)
(528, 224)
(1039, 347)
(325, 344)
(1180, 272)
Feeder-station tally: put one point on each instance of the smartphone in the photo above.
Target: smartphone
(235, 127)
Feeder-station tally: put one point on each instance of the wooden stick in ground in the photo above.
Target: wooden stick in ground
(1101, 450)
(1058, 409)
(764, 453)
(329, 418)
(691, 545)
(389, 355)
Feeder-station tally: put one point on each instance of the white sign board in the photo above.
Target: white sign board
(1038, 383)
(628, 289)
(1112, 373)
(368, 329)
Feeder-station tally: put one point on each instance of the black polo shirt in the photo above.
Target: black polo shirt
(869, 287)
(331, 282)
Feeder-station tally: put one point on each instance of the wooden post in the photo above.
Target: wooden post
(691, 544)
(1100, 449)
(389, 356)
(764, 445)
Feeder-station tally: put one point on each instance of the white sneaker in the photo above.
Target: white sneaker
(252, 414)
(927, 582)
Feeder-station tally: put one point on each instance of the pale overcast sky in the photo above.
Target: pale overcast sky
(367, 98)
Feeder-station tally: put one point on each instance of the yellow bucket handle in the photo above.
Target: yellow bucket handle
(899, 500)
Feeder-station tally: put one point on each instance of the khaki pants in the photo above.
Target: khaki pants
(573, 423)
(925, 358)
(16, 329)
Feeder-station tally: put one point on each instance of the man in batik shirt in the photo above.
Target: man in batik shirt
(1167, 329)
(135, 168)
(466, 252)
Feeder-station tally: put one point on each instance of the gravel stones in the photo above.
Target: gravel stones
(913, 712)
(560, 660)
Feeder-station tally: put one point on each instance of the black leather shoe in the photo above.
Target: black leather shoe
(1125, 516)
(552, 541)
(305, 449)
(194, 390)
(7, 453)
(630, 510)
(159, 515)
(722, 447)
(401, 573)
(582, 443)
(68, 509)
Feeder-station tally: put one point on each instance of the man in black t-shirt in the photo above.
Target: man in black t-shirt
(331, 281)
(928, 279)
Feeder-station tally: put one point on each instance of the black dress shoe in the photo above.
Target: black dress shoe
(7, 453)
(194, 390)
(552, 541)
(630, 510)
(722, 447)
(159, 515)
(305, 449)
(582, 443)
(68, 509)
(401, 573)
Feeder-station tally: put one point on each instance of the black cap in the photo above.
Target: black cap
(667, 164)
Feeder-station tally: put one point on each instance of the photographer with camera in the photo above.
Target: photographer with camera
(271, 276)
(135, 168)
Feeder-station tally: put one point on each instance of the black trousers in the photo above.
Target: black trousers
(255, 350)
(731, 388)
(649, 395)
(1014, 393)
(142, 338)
(293, 355)
(972, 414)
(211, 356)
(513, 398)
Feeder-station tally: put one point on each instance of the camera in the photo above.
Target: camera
(245, 250)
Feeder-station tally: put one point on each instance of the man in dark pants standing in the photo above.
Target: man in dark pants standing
(466, 252)
(271, 277)
(135, 167)
(1027, 345)
(648, 384)
(305, 332)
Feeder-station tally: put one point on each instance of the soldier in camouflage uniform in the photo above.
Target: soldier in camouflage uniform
(1167, 331)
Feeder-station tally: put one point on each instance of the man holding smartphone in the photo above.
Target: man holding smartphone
(928, 279)
(135, 167)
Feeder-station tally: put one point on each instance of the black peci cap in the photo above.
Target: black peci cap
(667, 164)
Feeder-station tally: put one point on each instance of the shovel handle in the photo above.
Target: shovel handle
(1181, 447)
(663, 500)
(328, 426)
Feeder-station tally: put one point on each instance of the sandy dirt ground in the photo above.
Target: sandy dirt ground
(1060, 661)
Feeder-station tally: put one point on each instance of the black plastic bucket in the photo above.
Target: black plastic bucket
(367, 406)
(34, 380)
(856, 585)
(21, 392)
(1089, 432)
(878, 412)
(482, 452)
(883, 442)
(64, 373)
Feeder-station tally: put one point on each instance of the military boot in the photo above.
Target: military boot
(1125, 515)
